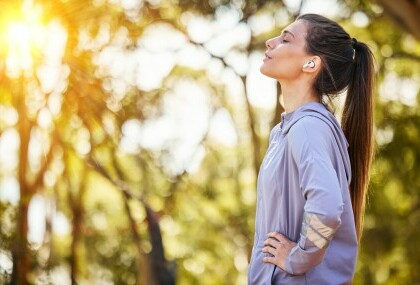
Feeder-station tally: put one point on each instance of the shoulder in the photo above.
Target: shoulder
(273, 131)
(310, 136)
(311, 127)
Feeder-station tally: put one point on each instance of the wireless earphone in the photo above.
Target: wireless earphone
(310, 64)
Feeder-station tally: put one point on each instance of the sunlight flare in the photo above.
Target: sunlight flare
(22, 37)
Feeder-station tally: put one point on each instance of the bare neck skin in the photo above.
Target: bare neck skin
(296, 93)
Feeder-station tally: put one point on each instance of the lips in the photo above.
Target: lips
(267, 56)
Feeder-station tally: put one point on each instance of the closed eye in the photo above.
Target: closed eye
(283, 39)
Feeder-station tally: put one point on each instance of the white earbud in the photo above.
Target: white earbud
(310, 64)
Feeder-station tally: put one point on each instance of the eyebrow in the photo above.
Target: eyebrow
(288, 32)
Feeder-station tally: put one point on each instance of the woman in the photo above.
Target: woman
(313, 180)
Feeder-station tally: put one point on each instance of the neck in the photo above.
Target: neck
(295, 95)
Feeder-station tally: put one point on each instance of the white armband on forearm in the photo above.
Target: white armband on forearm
(317, 231)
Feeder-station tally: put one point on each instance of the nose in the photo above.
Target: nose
(270, 43)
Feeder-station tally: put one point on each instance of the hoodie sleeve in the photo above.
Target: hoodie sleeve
(311, 142)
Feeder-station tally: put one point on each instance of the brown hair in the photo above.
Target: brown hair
(347, 64)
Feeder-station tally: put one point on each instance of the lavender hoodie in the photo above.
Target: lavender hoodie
(303, 193)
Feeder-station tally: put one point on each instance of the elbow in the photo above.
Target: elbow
(329, 221)
(319, 227)
(301, 261)
(317, 231)
(328, 217)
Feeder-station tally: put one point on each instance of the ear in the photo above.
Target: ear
(312, 64)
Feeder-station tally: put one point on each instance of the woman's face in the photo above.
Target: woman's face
(286, 53)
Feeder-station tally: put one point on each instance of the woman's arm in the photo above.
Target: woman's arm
(320, 186)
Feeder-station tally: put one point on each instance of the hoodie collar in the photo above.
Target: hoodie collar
(310, 108)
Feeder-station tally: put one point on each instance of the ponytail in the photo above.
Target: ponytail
(347, 63)
(357, 124)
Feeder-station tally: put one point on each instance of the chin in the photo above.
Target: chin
(263, 70)
(266, 72)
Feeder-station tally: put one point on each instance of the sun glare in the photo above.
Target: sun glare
(22, 36)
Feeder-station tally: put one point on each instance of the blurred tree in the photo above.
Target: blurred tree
(405, 13)
(76, 128)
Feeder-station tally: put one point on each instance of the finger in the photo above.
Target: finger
(269, 249)
(269, 260)
(276, 235)
(272, 242)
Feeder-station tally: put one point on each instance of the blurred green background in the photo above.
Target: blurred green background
(131, 133)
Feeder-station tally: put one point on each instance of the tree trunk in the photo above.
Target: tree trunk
(162, 273)
(76, 202)
(406, 13)
(21, 261)
(21, 257)
(76, 233)
(256, 149)
(144, 276)
(279, 107)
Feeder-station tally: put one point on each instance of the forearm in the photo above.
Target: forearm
(317, 231)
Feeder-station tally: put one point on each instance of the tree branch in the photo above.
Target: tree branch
(405, 13)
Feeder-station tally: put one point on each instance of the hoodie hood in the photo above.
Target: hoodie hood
(318, 110)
